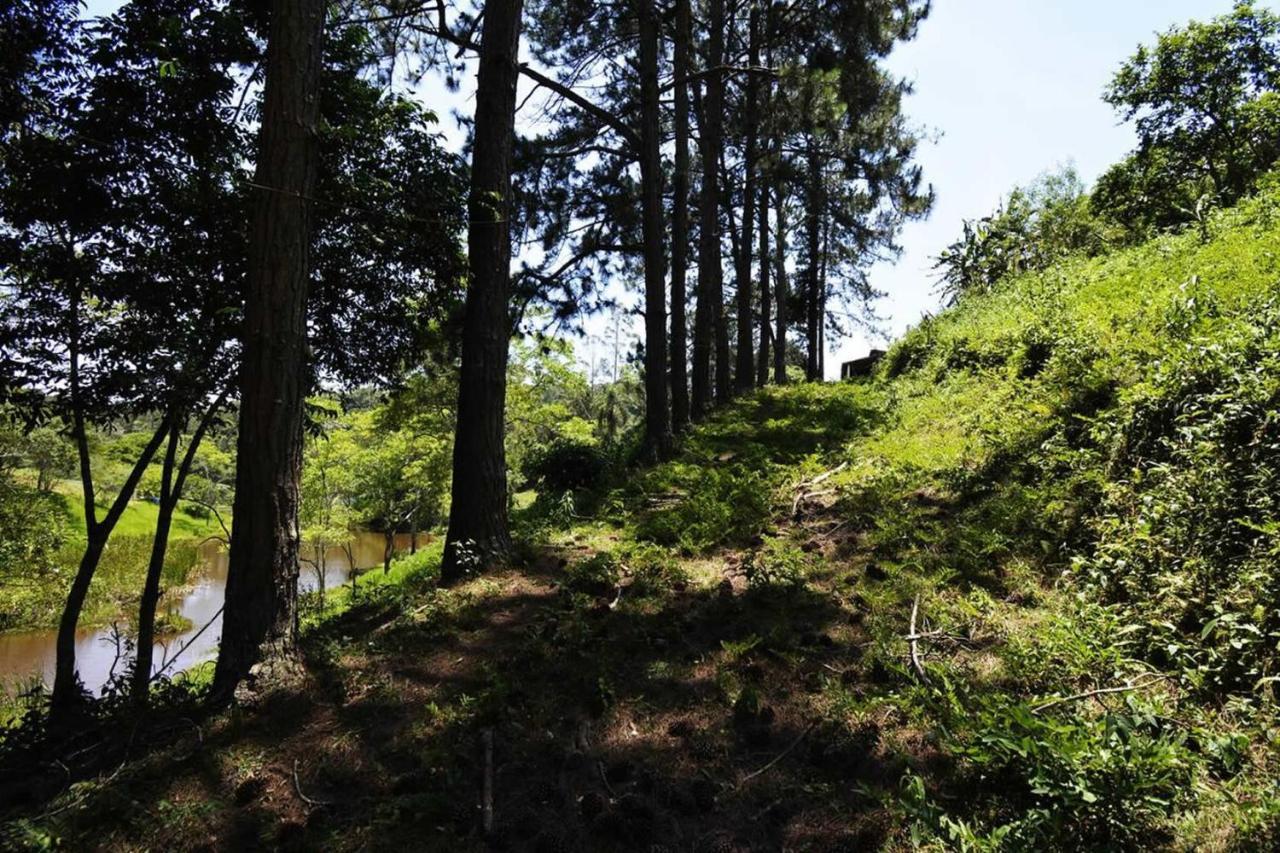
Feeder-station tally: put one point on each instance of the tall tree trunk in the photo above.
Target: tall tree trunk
(766, 329)
(708, 305)
(813, 233)
(766, 296)
(780, 308)
(478, 534)
(710, 256)
(680, 220)
(657, 422)
(822, 293)
(260, 619)
(745, 377)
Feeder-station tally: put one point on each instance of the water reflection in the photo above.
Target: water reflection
(24, 654)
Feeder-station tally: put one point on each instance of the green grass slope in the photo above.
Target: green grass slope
(1016, 592)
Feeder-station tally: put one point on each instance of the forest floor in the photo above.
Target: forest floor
(1015, 592)
(673, 708)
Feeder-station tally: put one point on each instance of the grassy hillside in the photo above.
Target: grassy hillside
(1018, 591)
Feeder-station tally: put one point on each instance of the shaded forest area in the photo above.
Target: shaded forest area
(1015, 590)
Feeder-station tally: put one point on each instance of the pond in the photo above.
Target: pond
(26, 654)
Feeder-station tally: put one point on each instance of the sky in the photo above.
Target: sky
(1004, 90)
(1011, 89)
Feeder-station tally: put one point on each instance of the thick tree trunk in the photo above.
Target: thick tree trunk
(780, 307)
(657, 418)
(710, 272)
(680, 221)
(478, 534)
(260, 619)
(745, 375)
(766, 294)
(708, 304)
(813, 233)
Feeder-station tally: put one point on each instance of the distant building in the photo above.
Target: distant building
(861, 366)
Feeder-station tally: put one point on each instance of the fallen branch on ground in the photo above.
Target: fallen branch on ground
(804, 496)
(779, 756)
(488, 781)
(913, 640)
(1137, 684)
(297, 786)
(824, 475)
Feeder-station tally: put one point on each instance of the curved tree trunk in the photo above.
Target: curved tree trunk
(260, 619)
(140, 687)
(478, 534)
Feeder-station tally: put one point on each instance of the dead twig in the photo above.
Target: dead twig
(828, 474)
(487, 737)
(804, 496)
(1137, 684)
(605, 779)
(779, 756)
(913, 640)
(297, 786)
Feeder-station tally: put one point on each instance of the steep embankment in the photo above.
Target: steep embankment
(1019, 591)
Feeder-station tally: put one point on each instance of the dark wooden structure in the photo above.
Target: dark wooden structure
(861, 367)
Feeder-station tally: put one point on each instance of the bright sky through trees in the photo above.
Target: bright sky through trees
(1010, 88)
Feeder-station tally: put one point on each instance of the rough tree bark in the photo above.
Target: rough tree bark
(766, 329)
(657, 421)
(780, 306)
(260, 619)
(710, 329)
(715, 127)
(478, 535)
(680, 219)
(744, 374)
(813, 234)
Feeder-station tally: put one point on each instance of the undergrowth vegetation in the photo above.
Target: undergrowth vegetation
(1017, 591)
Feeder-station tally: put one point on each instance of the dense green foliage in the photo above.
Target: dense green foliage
(1205, 102)
(1111, 426)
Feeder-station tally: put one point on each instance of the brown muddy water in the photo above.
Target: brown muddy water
(25, 655)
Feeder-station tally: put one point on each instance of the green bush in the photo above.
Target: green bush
(778, 565)
(1042, 782)
(567, 464)
(724, 504)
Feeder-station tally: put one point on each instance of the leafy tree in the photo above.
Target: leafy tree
(1034, 228)
(398, 477)
(1205, 100)
(324, 515)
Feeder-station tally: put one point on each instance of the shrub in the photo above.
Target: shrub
(566, 464)
(778, 564)
(723, 504)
